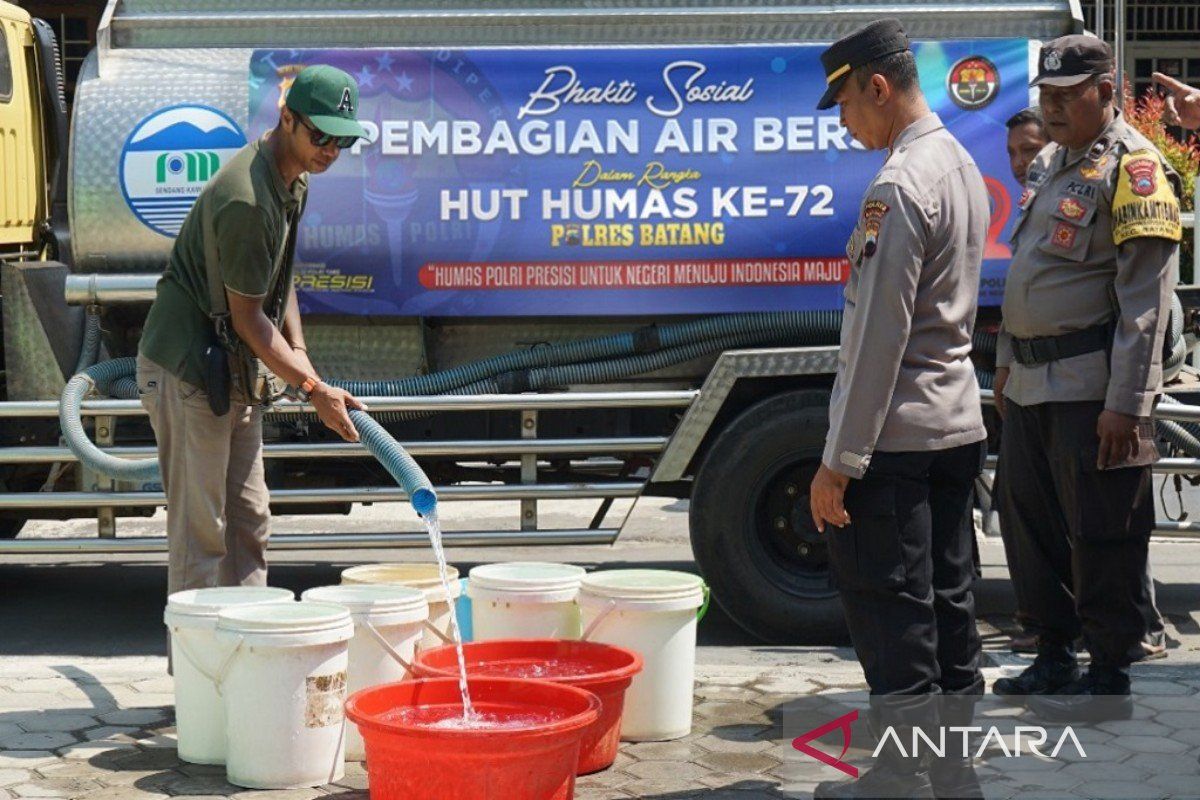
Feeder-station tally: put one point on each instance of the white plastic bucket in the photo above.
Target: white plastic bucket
(388, 624)
(525, 600)
(191, 617)
(419, 576)
(284, 687)
(653, 612)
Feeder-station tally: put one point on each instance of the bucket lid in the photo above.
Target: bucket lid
(304, 617)
(210, 602)
(396, 603)
(526, 576)
(421, 576)
(644, 585)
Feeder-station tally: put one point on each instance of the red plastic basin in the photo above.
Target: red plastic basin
(603, 669)
(409, 760)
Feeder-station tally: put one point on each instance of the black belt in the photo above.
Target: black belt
(1044, 349)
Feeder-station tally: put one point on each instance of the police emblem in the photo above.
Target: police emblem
(1141, 173)
(1026, 198)
(872, 216)
(1089, 172)
(1063, 235)
(1051, 60)
(1071, 209)
(973, 82)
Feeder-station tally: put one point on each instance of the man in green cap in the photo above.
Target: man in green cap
(225, 305)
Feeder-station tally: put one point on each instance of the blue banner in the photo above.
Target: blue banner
(614, 181)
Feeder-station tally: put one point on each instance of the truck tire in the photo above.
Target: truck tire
(751, 530)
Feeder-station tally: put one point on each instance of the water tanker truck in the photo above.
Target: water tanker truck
(589, 251)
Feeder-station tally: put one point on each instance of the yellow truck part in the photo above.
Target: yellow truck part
(22, 162)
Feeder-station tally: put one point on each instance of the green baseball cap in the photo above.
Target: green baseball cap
(328, 97)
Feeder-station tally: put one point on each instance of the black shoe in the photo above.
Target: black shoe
(893, 774)
(1103, 694)
(881, 780)
(954, 778)
(1053, 669)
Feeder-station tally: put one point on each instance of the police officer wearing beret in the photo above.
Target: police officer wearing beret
(1086, 302)
(906, 437)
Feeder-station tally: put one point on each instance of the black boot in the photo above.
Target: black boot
(1102, 694)
(953, 775)
(1053, 669)
(894, 773)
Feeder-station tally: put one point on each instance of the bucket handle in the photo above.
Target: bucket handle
(387, 647)
(595, 623)
(429, 626)
(612, 604)
(704, 606)
(223, 670)
(216, 678)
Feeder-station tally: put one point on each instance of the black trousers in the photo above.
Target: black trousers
(1079, 535)
(904, 568)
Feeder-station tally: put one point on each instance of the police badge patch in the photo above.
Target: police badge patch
(872, 216)
(1063, 236)
(1141, 174)
(1071, 209)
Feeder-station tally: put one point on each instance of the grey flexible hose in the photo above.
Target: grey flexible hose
(89, 351)
(810, 327)
(99, 378)
(1173, 363)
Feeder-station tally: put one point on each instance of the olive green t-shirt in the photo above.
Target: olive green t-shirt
(251, 205)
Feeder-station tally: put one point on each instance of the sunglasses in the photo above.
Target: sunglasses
(319, 138)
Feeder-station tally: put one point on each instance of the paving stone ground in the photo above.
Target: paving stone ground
(86, 706)
(103, 730)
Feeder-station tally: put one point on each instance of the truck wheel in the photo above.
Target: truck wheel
(752, 533)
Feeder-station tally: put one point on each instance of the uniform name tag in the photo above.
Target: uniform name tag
(1087, 191)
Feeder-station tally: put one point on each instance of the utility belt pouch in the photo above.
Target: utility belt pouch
(217, 378)
(232, 371)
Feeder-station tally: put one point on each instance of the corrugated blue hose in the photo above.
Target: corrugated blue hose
(396, 461)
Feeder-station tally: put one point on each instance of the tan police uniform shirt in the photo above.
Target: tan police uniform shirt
(1096, 226)
(905, 380)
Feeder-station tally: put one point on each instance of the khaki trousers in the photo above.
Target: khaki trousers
(218, 518)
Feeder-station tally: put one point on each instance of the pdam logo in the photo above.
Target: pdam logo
(168, 159)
